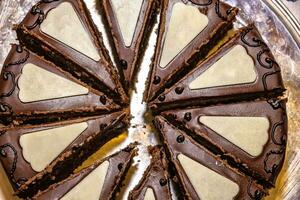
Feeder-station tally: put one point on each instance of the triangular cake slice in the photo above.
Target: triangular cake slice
(244, 68)
(102, 180)
(254, 134)
(33, 89)
(64, 33)
(188, 30)
(129, 24)
(36, 156)
(154, 184)
(201, 174)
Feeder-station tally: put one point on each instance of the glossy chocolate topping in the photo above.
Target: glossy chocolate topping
(267, 76)
(118, 166)
(268, 161)
(220, 17)
(99, 74)
(155, 178)
(179, 143)
(129, 55)
(12, 78)
(16, 163)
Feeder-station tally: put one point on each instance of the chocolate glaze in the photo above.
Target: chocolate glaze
(268, 164)
(113, 179)
(220, 17)
(28, 181)
(12, 107)
(129, 57)
(268, 83)
(100, 75)
(155, 177)
(177, 142)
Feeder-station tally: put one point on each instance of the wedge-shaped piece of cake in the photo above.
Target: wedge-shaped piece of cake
(64, 33)
(188, 30)
(35, 157)
(100, 181)
(129, 24)
(244, 68)
(154, 184)
(200, 173)
(254, 134)
(34, 90)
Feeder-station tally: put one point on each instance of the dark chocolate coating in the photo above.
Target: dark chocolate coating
(268, 164)
(220, 17)
(100, 74)
(14, 107)
(268, 83)
(113, 179)
(129, 57)
(156, 177)
(25, 179)
(177, 142)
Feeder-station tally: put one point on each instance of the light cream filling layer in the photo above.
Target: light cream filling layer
(149, 194)
(42, 147)
(185, 24)
(127, 12)
(208, 184)
(248, 133)
(37, 84)
(236, 67)
(91, 186)
(63, 24)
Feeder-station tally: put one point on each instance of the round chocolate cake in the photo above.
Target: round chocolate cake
(213, 96)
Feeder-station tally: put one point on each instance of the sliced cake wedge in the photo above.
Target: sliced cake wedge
(33, 90)
(154, 184)
(100, 181)
(188, 30)
(34, 157)
(200, 173)
(129, 24)
(253, 134)
(243, 69)
(64, 33)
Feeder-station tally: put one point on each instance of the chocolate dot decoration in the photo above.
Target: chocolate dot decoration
(161, 97)
(123, 64)
(19, 49)
(103, 126)
(163, 182)
(180, 139)
(156, 80)
(3, 153)
(188, 116)
(179, 90)
(258, 194)
(120, 166)
(103, 99)
(75, 148)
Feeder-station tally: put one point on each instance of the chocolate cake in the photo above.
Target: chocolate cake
(155, 181)
(243, 69)
(181, 44)
(73, 43)
(129, 24)
(200, 173)
(216, 99)
(102, 180)
(34, 90)
(252, 134)
(34, 157)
